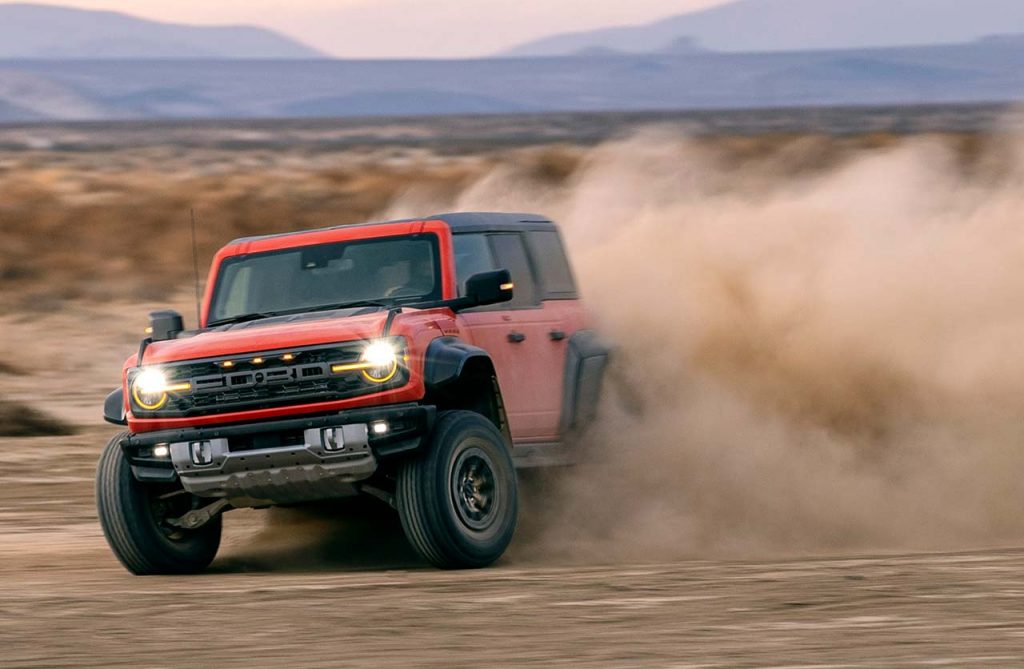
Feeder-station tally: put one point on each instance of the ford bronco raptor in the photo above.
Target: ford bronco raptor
(417, 361)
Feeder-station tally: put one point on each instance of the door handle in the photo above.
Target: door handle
(556, 335)
(516, 337)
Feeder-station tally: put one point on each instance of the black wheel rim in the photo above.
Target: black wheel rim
(474, 489)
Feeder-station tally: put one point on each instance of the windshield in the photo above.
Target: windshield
(388, 271)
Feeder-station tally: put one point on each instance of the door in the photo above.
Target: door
(525, 337)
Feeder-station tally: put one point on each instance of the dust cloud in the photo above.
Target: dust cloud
(808, 360)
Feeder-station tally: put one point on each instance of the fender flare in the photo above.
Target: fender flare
(113, 408)
(586, 359)
(446, 359)
(450, 362)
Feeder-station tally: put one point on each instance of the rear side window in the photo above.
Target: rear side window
(484, 252)
(510, 254)
(552, 265)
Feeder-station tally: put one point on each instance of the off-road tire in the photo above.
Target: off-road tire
(443, 518)
(134, 534)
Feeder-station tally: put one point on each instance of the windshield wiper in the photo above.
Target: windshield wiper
(348, 305)
(243, 318)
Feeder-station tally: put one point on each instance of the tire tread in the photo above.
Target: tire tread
(422, 512)
(117, 507)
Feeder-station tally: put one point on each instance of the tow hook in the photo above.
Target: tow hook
(196, 518)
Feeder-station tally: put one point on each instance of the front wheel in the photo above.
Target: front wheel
(459, 503)
(135, 516)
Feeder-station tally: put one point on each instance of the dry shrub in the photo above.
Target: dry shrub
(11, 369)
(115, 224)
(20, 420)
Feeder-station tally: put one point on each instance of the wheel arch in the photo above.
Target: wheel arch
(586, 359)
(460, 376)
(114, 408)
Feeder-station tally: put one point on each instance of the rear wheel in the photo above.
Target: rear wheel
(459, 503)
(135, 519)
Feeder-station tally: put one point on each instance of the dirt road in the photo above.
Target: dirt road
(313, 593)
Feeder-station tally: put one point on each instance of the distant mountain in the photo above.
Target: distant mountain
(60, 33)
(674, 78)
(800, 25)
(29, 96)
(402, 102)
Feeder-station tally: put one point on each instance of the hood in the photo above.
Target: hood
(270, 334)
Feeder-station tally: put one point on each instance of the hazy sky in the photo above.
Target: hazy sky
(399, 28)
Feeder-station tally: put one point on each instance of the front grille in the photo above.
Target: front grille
(282, 377)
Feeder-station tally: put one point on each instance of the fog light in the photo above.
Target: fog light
(380, 427)
(161, 451)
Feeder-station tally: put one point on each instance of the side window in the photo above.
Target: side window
(472, 256)
(552, 264)
(510, 254)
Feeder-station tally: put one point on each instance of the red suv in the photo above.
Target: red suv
(418, 361)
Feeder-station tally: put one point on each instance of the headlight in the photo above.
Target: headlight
(150, 388)
(382, 360)
(378, 362)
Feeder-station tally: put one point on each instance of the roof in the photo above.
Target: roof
(469, 221)
(477, 221)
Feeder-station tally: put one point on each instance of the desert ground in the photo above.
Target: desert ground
(824, 462)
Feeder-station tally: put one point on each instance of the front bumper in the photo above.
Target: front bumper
(280, 462)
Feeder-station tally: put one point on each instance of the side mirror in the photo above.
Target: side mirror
(165, 325)
(488, 288)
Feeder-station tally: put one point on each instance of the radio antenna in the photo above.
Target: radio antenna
(195, 267)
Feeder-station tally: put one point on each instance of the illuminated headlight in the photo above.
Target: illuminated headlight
(378, 362)
(382, 360)
(150, 388)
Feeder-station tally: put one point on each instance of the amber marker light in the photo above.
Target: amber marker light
(257, 361)
(288, 357)
(507, 286)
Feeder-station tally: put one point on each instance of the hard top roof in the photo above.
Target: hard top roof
(473, 221)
